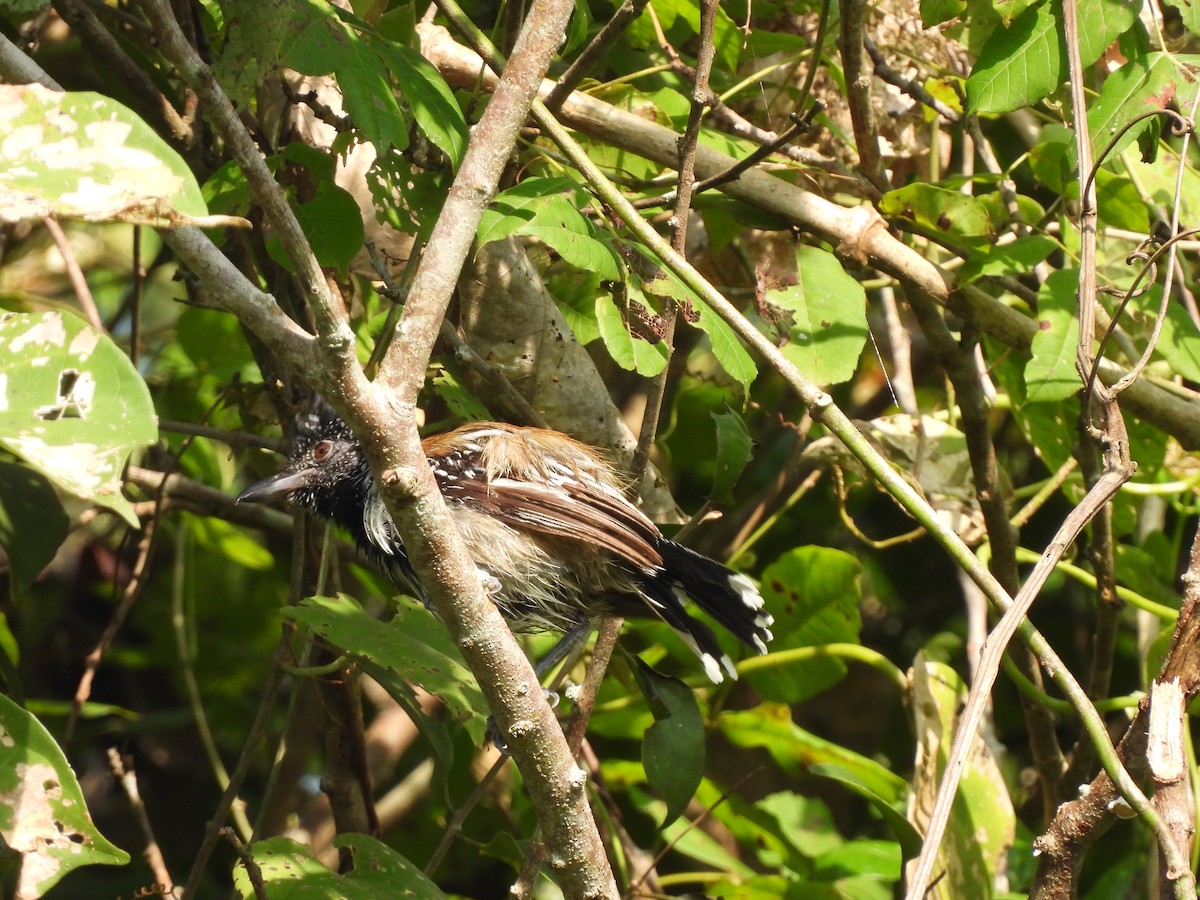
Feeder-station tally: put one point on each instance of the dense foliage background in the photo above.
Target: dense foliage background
(906, 228)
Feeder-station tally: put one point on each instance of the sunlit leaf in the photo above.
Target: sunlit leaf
(822, 317)
(413, 647)
(1050, 374)
(85, 156)
(1020, 64)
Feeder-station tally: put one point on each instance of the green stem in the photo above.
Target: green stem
(1084, 577)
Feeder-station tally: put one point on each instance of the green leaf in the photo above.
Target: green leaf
(514, 208)
(43, 816)
(323, 45)
(368, 94)
(231, 543)
(560, 226)
(880, 859)
(825, 317)
(795, 750)
(686, 838)
(814, 594)
(333, 225)
(627, 349)
(461, 402)
(1050, 374)
(546, 209)
(1018, 65)
(727, 37)
(1013, 259)
(938, 209)
(1179, 344)
(364, 65)
(726, 347)
(413, 647)
(733, 453)
(769, 726)
(84, 156)
(250, 52)
(673, 747)
(1100, 23)
(32, 522)
(1139, 86)
(436, 111)
(577, 28)
(72, 405)
(867, 787)
(1119, 203)
(291, 872)
(575, 293)
(804, 823)
(1052, 159)
(935, 12)
(1189, 14)
(215, 343)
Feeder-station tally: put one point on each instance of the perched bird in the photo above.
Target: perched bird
(554, 538)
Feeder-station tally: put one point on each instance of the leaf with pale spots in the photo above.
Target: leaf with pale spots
(72, 405)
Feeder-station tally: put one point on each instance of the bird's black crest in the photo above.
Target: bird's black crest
(320, 422)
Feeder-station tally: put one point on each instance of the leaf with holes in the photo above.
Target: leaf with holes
(42, 813)
(627, 349)
(72, 405)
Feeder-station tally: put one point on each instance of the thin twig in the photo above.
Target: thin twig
(129, 596)
(454, 826)
(152, 852)
(466, 354)
(914, 89)
(235, 439)
(798, 127)
(83, 293)
(253, 872)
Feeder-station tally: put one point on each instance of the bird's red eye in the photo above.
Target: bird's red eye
(321, 450)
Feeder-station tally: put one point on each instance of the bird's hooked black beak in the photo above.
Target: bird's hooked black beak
(277, 486)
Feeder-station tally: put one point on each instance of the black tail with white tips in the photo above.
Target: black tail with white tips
(730, 598)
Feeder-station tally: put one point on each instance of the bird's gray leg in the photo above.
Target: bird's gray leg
(566, 645)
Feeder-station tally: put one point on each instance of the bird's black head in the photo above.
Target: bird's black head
(326, 473)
